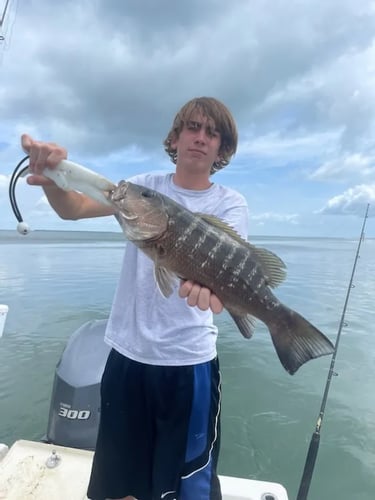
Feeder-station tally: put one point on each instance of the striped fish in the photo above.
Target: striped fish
(204, 249)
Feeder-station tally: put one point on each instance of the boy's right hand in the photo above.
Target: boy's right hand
(200, 296)
(42, 155)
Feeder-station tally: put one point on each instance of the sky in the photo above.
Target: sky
(105, 78)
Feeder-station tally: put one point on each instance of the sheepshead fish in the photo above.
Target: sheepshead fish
(204, 249)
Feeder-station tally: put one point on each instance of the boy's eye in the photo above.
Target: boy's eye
(212, 132)
(193, 125)
(196, 126)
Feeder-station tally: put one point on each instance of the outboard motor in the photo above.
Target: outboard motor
(75, 401)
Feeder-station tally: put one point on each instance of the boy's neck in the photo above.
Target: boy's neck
(192, 180)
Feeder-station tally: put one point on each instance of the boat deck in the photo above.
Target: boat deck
(39, 471)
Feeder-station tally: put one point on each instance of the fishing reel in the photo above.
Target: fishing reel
(18, 172)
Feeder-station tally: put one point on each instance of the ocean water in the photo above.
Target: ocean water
(54, 282)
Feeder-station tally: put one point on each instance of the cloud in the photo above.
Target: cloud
(348, 167)
(352, 202)
(281, 149)
(4, 182)
(274, 217)
(119, 75)
(336, 94)
(105, 78)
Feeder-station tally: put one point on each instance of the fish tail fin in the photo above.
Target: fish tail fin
(296, 340)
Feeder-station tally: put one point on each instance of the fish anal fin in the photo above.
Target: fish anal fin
(245, 324)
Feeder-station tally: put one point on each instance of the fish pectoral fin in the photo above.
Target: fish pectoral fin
(166, 280)
(245, 324)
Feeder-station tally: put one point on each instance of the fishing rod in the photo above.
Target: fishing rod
(4, 13)
(315, 438)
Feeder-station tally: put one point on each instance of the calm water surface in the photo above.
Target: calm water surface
(54, 283)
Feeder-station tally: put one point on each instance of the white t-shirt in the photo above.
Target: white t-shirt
(144, 325)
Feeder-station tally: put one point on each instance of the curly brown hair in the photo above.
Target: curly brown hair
(224, 123)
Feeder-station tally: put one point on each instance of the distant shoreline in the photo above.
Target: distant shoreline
(60, 236)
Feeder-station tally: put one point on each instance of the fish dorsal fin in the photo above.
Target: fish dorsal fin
(220, 224)
(272, 266)
(274, 269)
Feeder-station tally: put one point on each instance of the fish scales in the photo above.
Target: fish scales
(202, 253)
(204, 249)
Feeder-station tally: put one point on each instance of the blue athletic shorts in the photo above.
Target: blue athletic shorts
(159, 433)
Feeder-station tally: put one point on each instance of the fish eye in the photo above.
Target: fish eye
(147, 194)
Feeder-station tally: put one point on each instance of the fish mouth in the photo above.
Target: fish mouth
(116, 195)
(127, 215)
(119, 192)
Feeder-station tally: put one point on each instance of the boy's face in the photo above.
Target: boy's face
(198, 144)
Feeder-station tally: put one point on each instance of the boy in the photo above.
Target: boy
(159, 432)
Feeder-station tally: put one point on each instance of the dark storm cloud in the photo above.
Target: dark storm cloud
(104, 75)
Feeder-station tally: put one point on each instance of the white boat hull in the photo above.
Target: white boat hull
(24, 474)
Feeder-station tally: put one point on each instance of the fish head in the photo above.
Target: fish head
(140, 211)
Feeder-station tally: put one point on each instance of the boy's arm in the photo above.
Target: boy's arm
(67, 204)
